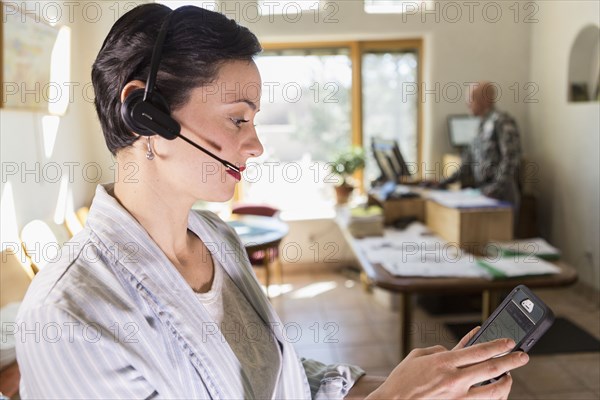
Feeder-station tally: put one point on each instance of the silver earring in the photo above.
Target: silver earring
(149, 153)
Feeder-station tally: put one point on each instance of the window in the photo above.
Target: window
(286, 7)
(393, 6)
(305, 118)
(388, 111)
(319, 99)
(174, 4)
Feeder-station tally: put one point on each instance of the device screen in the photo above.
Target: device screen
(510, 323)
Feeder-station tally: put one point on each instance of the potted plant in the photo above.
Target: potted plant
(343, 166)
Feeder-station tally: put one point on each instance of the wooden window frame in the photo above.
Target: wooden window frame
(356, 50)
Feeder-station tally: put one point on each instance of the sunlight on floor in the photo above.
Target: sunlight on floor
(313, 290)
(277, 290)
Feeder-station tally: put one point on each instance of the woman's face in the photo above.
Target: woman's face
(220, 118)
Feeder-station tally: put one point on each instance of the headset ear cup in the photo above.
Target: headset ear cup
(136, 97)
(148, 118)
(159, 102)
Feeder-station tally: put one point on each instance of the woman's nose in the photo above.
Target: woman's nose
(253, 147)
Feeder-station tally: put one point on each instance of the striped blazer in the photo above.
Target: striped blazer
(113, 318)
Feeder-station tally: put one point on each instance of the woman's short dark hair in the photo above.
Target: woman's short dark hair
(198, 42)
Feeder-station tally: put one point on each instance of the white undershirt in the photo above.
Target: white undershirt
(250, 339)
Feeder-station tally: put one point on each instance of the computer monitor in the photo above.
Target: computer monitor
(389, 159)
(462, 129)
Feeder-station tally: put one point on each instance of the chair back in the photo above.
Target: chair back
(254, 209)
(82, 214)
(42, 242)
(73, 224)
(15, 277)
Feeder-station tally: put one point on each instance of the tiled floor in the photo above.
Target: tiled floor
(331, 318)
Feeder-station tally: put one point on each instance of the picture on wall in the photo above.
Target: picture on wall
(27, 45)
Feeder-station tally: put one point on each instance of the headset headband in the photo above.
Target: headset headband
(156, 57)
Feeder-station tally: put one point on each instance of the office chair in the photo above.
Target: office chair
(262, 258)
(75, 220)
(82, 214)
(16, 274)
(15, 277)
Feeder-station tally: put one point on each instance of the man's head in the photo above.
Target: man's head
(481, 98)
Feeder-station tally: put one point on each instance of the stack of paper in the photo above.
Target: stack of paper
(537, 247)
(517, 265)
(366, 221)
(466, 198)
(463, 267)
(414, 239)
(416, 252)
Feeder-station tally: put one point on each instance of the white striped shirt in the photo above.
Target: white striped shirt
(113, 318)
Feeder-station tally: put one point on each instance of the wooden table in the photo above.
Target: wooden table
(376, 275)
(260, 233)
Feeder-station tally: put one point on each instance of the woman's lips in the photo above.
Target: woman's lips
(235, 174)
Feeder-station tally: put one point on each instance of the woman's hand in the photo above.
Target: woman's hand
(435, 372)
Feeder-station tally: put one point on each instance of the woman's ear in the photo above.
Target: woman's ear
(130, 87)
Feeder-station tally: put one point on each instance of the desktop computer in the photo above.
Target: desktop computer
(392, 182)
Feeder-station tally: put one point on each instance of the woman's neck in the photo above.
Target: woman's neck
(159, 210)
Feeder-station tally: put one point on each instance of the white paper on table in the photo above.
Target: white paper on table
(522, 266)
(416, 241)
(466, 198)
(533, 246)
(464, 267)
(415, 251)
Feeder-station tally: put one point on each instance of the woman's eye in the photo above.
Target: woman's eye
(238, 121)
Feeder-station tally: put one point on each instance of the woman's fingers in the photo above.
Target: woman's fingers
(463, 342)
(493, 368)
(497, 390)
(420, 352)
(480, 352)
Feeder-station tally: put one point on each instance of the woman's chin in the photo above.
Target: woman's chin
(222, 197)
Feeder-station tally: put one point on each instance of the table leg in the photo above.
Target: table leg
(365, 281)
(267, 278)
(405, 311)
(279, 270)
(487, 304)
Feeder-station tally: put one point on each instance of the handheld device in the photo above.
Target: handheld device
(522, 317)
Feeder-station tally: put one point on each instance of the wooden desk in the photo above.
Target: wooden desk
(469, 228)
(405, 287)
(399, 208)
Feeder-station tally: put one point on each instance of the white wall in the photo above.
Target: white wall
(79, 146)
(564, 140)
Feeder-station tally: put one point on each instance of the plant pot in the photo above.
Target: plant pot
(343, 193)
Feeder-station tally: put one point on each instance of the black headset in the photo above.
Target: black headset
(147, 113)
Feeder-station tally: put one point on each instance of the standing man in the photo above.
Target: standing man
(492, 160)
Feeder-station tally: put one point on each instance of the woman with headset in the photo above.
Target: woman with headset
(150, 299)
